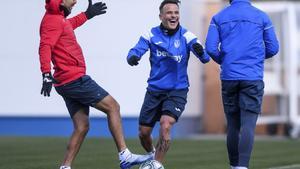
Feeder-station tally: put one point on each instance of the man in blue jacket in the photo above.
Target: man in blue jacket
(170, 45)
(240, 38)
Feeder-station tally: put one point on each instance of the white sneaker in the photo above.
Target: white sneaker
(128, 159)
(64, 167)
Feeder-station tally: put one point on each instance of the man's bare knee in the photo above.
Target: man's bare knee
(115, 107)
(108, 105)
(82, 129)
(165, 126)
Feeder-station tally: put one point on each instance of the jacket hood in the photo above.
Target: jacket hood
(52, 7)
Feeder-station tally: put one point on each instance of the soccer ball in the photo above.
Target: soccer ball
(152, 164)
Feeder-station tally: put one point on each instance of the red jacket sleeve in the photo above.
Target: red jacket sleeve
(78, 20)
(50, 30)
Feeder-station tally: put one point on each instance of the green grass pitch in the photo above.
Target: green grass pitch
(96, 153)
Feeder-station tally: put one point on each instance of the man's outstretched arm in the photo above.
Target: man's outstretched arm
(93, 10)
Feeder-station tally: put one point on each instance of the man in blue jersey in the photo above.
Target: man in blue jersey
(240, 38)
(170, 45)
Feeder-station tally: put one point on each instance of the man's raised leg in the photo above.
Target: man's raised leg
(112, 109)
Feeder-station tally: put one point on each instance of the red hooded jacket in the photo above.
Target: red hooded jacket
(58, 44)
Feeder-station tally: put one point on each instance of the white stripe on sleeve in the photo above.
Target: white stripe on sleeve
(147, 35)
(189, 36)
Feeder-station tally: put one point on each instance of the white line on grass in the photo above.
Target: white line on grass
(294, 166)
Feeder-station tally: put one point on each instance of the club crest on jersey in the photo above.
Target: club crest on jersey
(177, 43)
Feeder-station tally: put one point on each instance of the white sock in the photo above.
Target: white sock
(241, 167)
(232, 167)
(64, 167)
(153, 151)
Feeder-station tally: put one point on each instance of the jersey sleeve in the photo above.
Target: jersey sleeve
(270, 39)
(50, 31)
(191, 39)
(78, 20)
(142, 46)
(213, 41)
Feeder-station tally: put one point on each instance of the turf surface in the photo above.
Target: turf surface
(46, 153)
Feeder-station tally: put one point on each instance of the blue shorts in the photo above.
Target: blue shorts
(156, 104)
(81, 93)
(242, 96)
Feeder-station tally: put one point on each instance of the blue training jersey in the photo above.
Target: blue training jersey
(169, 57)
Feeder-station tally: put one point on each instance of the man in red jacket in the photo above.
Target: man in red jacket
(58, 45)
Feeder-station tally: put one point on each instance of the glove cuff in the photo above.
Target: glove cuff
(88, 14)
(47, 74)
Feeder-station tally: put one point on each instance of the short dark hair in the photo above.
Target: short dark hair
(163, 3)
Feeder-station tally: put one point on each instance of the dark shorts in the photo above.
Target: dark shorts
(242, 96)
(81, 93)
(156, 104)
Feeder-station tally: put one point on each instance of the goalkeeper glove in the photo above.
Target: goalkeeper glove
(48, 81)
(95, 9)
(198, 49)
(133, 60)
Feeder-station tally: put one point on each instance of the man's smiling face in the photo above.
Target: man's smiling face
(169, 16)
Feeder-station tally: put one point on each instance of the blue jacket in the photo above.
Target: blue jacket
(240, 38)
(169, 57)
